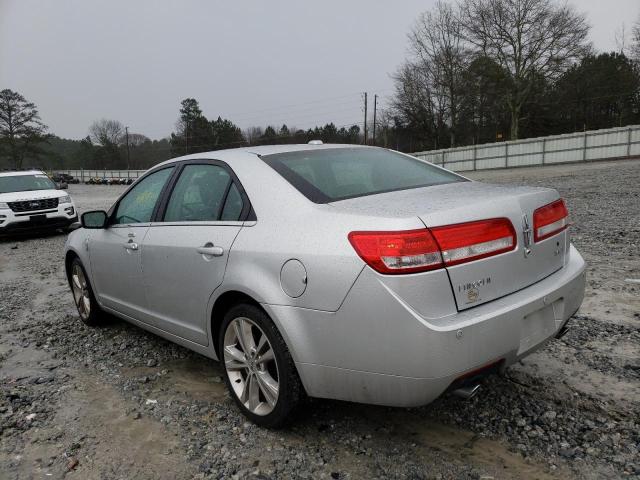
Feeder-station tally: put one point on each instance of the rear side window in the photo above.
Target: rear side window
(199, 194)
(233, 205)
(329, 175)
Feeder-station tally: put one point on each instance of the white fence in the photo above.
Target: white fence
(84, 175)
(611, 143)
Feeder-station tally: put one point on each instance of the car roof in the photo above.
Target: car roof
(235, 154)
(17, 173)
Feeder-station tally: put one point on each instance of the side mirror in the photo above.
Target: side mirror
(94, 219)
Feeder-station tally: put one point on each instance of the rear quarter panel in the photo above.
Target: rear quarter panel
(289, 226)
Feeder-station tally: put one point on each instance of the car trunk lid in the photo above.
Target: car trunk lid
(484, 279)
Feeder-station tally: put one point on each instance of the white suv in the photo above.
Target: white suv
(29, 201)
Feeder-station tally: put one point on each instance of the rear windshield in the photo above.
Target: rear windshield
(23, 183)
(334, 174)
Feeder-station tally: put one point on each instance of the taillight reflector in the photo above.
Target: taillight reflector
(407, 251)
(469, 241)
(549, 220)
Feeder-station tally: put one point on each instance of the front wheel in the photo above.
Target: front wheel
(259, 370)
(83, 297)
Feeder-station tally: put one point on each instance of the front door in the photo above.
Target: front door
(184, 256)
(115, 252)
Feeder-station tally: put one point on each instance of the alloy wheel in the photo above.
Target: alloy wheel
(251, 366)
(81, 292)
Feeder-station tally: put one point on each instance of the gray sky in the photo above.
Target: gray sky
(255, 62)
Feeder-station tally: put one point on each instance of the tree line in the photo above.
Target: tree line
(478, 71)
(489, 70)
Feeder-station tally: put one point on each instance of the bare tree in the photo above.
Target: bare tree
(621, 38)
(416, 102)
(135, 139)
(436, 41)
(253, 134)
(528, 38)
(106, 133)
(21, 129)
(635, 41)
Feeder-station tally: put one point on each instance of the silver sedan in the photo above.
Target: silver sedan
(344, 272)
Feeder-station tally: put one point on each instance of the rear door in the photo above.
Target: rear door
(186, 251)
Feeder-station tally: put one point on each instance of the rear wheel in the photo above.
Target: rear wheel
(259, 370)
(83, 297)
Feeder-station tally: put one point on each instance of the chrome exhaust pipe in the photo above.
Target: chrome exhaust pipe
(467, 392)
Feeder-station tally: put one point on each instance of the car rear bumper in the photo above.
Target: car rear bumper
(378, 349)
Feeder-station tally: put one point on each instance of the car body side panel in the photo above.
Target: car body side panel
(179, 280)
(77, 242)
(116, 270)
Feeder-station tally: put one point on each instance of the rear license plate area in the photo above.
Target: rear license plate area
(536, 327)
(38, 218)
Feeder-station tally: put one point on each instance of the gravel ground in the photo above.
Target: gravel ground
(116, 402)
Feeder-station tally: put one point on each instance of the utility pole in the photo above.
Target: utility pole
(365, 118)
(126, 129)
(186, 138)
(375, 108)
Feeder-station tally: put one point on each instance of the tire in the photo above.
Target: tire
(88, 309)
(250, 378)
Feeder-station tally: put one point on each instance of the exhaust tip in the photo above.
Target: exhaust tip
(467, 392)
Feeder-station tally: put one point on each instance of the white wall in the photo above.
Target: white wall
(574, 147)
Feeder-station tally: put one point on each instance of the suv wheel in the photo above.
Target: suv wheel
(259, 370)
(83, 297)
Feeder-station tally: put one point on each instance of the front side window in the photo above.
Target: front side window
(333, 174)
(199, 194)
(25, 183)
(138, 204)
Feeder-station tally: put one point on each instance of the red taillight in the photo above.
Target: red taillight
(397, 252)
(421, 250)
(465, 242)
(549, 220)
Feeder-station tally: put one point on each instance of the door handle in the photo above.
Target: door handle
(210, 249)
(131, 246)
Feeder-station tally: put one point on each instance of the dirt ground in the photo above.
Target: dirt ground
(116, 402)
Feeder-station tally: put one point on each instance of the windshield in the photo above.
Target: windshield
(23, 183)
(335, 174)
